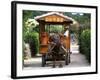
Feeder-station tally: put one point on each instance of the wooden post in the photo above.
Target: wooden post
(42, 26)
(67, 37)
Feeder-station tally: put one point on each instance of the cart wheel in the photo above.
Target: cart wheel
(43, 60)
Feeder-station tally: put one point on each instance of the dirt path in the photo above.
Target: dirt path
(77, 60)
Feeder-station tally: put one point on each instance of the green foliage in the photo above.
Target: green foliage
(85, 44)
(26, 14)
(84, 19)
(33, 39)
(54, 28)
(30, 31)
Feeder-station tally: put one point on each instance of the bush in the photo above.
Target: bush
(33, 39)
(85, 44)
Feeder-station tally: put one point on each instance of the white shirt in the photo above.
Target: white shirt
(66, 33)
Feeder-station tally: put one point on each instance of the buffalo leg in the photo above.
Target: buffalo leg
(43, 60)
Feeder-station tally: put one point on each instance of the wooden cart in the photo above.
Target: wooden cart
(54, 18)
